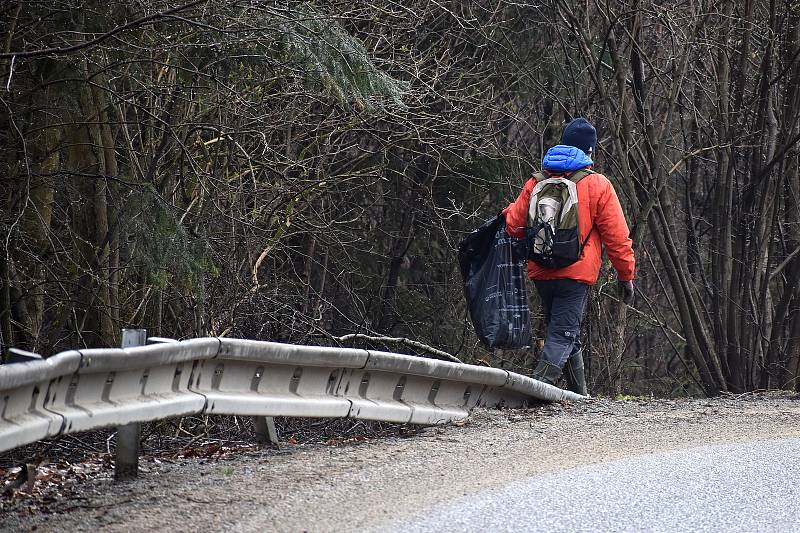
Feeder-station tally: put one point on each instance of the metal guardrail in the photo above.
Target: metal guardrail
(81, 390)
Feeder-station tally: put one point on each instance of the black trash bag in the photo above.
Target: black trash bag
(493, 265)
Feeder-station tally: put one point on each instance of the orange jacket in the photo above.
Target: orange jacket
(602, 212)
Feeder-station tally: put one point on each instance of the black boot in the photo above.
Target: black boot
(574, 374)
(546, 372)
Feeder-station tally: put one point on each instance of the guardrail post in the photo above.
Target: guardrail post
(265, 429)
(126, 464)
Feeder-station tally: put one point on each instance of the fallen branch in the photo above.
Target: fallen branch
(439, 354)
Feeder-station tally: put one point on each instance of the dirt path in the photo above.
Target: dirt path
(354, 487)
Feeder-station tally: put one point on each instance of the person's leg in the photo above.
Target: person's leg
(563, 328)
(544, 370)
(545, 290)
(574, 373)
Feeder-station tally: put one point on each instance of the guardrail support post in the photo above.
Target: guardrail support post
(265, 430)
(126, 464)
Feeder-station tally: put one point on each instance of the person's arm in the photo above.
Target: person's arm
(517, 211)
(614, 233)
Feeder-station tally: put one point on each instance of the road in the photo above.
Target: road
(497, 461)
(741, 487)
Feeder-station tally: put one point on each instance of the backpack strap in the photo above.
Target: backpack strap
(575, 176)
(579, 174)
(583, 244)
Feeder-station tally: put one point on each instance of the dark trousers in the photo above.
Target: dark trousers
(563, 301)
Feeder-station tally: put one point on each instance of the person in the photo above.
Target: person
(563, 291)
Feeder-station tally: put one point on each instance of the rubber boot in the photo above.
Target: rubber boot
(546, 372)
(574, 374)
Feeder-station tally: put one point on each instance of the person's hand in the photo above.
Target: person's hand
(626, 291)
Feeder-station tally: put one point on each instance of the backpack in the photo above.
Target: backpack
(552, 232)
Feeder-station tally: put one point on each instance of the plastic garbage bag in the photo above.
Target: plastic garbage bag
(493, 265)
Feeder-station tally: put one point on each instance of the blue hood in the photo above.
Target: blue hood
(563, 158)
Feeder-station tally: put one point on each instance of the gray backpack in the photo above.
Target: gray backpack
(552, 231)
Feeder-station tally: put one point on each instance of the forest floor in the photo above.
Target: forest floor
(354, 483)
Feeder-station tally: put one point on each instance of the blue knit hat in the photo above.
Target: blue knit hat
(580, 134)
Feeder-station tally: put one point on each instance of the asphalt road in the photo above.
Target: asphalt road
(738, 487)
(603, 465)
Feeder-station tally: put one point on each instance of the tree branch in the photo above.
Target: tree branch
(439, 354)
(86, 44)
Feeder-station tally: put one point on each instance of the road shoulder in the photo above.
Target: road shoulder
(358, 486)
